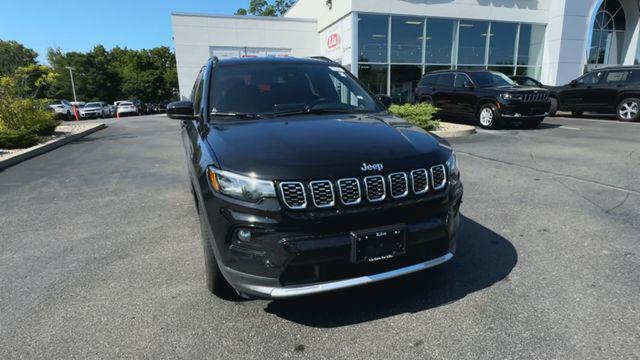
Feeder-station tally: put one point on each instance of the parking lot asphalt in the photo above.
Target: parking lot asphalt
(100, 257)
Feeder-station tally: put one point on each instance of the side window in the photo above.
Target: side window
(196, 94)
(616, 76)
(446, 79)
(428, 80)
(634, 76)
(530, 82)
(460, 80)
(590, 79)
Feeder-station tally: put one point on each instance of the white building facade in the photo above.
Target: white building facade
(390, 44)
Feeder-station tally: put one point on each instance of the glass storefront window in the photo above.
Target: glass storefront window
(373, 38)
(374, 77)
(502, 43)
(439, 40)
(472, 42)
(404, 79)
(530, 44)
(406, 39)
(430, 68)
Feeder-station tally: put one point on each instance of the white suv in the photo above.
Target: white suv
(62, 108)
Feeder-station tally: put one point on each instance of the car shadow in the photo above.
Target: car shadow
(483, 259)
(514, 125)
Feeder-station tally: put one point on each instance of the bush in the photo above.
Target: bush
(421, 115)
(22, 120)
(17, 139)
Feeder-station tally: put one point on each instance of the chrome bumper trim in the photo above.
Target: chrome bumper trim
(291, 291)
(523, 116)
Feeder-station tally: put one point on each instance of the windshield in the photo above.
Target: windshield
(125, 104)
(486, 79)
(271, 89)
(92, 105)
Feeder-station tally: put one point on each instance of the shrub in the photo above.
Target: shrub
(422, 115)
(17, 139)
(22, 119)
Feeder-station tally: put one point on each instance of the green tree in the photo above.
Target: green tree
(266, 8)
(14, 55)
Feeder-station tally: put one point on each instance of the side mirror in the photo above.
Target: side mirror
(385, 100)
(573, 83)
(468, 85)
(180, 110)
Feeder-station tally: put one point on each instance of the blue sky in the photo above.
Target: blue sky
(76, 25)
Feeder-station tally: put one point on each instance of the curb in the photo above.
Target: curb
(46, 147)
(466, 131)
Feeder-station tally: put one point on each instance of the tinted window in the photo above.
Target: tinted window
(271, 88)
(461, 79)
(446, 79)
(199, 89)
(502, 43)
(616, 76)
(372, 38)
(591, 78)
(406, 39)
(486, 79)
(439, 41)
(472, 42)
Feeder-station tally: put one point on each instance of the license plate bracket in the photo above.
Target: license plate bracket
(378, 244)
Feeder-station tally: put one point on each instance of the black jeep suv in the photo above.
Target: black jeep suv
(611, 90)
(305, 183)
(490, 97)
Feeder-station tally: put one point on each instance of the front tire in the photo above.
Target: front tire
(628, 110)
(553, 109)
(216, 283)
(489, 116)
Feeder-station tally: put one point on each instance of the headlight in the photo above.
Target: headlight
(506, 96)
(240, 187)
(452, 164)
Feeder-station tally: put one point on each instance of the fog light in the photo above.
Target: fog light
(244, 235)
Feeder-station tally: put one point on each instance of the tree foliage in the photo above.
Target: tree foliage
(14, 55)
(266, 8)
(116, 74)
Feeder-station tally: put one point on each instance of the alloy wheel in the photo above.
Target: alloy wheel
(486, 117)
(629, 110)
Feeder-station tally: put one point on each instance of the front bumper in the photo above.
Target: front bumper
(525, 110)
(252, 285)
(302, 253)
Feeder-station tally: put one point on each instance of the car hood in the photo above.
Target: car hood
(323, 147)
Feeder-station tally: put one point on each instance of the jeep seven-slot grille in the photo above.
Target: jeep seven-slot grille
(293, 195)
(438, 177)
(399, 186)
(352, 191)
(349, 191)
(322, 193)
(532, 97)
(420, 181)
(375, 188)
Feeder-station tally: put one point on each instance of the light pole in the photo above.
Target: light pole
(73, 85)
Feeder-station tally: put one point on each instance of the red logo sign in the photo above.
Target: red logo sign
(333, 41)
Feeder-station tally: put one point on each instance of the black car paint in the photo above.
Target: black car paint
(468, 100)
(290, 245)
(601, 97)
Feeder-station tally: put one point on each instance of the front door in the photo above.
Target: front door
(582, 94)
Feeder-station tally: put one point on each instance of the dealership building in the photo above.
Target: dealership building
(390, 44)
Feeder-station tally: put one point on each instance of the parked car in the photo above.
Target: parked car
(489, 97)
(305, 183)
(162, 106)
(126, 108)
(139, 105)
(94, 110)
(527, 81)
(611, 90)
(63, 109)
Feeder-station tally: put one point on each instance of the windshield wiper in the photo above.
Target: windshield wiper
(237, 115)
(311, 110)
